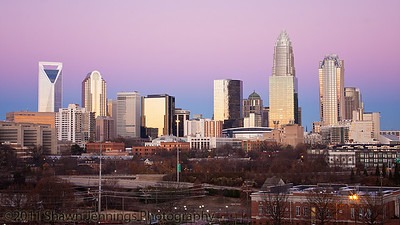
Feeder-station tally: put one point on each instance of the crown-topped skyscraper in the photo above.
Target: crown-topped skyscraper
(283, 96)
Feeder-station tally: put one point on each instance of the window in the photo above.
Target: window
(297, 210)
(352, 213)
(305, 212)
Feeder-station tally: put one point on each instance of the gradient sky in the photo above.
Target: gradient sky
(180, 47)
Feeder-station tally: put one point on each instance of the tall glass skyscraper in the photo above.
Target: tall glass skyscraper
(94, 94)
(158, 113)
(50, 87)
(283, 95)
(228, 97)
(331, 90)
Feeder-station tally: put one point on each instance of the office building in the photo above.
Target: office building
(76, 125)
(29, 135)
(253, 111)
(32, 117)
(283, 95)
(228, 97)
(201, 127)
(158, 112)
(50, 87)
(94, 94)
(353, 102)
(180, 118)
(331, 90)
(128, 114)
(105, 128)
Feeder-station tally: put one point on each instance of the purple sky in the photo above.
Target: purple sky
(180, 47)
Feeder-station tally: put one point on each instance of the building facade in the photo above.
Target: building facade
(94, 94)
(50, 87)
(253, 111)
(331, 90)
(180, 118)
(32, 117)
(128, 114)
(228, 97)
(283, 95)
(203, 128)
(105, 128)
(352, 102)
(75, 124)
(29, 135)
(158, 112)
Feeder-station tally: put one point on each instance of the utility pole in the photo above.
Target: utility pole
(99, 209)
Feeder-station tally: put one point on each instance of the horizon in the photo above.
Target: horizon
(180, 48)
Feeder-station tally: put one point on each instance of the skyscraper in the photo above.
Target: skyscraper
(94, 94)
(353, 102)
(128, 114)
(180, 118)
(228, 97)
(331, 90)
(283, 95)
(158, 112)
(252, 110)
(50, 87)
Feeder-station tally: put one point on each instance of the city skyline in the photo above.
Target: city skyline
(154, 47)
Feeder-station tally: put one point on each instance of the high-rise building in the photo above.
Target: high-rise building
(228, 97)
(94, 94)
(75, 124)
(158, 112)
(283, 95)
(331, 90)
(181, 116)
(253, 110)
(105, 128)
(128, 114)
(353, 102)
(50, 87)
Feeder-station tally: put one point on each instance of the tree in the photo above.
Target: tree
(275, 205)
(371, 208)
(77, 150)
(377, 171)
(384, 170)
(322, 203)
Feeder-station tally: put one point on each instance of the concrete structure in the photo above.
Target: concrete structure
(283, 94)
(128, 114)
(94, 94)
(247, 133)
(228, 97)
(29, 135)
(32, 117)
(75, 124)
(105, 128)
(375, 118)
(331, 90)
(352, 102)
(209, 143)
(253, 111)
(50, 86)
(158, 112)
(203, 128)
(180, 118)
(287, 135)
(333, 203)
(337, 134)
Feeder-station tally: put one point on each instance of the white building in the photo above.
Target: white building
(128, 114)
(94, 94)
(208, 143)
(75, 124)
(203, 128)
(50, 86)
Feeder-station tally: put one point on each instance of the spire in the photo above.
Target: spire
(283, 39)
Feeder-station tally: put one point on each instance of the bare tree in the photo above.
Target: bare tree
(322, 203)
(371, 208)
(275, 206)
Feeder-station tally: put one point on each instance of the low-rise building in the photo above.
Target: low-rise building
(328, 203)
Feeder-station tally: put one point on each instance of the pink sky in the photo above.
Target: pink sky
(180, 47)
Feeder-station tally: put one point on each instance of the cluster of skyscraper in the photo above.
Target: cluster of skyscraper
(134, 116)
